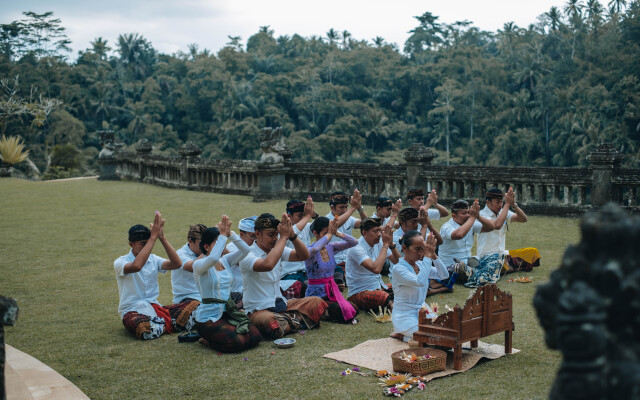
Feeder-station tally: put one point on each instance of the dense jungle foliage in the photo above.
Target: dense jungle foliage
(542, 95)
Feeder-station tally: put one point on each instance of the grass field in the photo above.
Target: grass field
(59, 240)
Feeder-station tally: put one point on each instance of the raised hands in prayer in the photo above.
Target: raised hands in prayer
(430, 246)
(225, 226)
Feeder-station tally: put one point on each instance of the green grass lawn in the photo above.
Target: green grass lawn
(59, 241)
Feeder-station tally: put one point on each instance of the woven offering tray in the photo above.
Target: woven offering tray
(425, 360)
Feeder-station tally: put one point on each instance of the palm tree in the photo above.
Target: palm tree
(616, 6)
(332, 35)
(378, 41)
(554, 18)
(346, 39)
(100, 47)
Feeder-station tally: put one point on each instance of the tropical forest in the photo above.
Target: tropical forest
(542, 95)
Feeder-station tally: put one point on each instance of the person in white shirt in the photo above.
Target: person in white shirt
(367, 290)
(219, 323)
(415, 199)
(411, 277)
(492, 256)
(182, 282)
(458, 237)
(261, 269)
(388, 211)
(137, 277)
(294, 274)
(246, 226)
(338, 202)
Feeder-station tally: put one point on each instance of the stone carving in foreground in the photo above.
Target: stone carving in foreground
(590, 310)
(8, 317)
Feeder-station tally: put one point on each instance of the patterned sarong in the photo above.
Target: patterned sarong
(522, 260)
(487, 271)
(222, 336)
(372, 299)
(146, 327)
(333, 294)
(300, 313)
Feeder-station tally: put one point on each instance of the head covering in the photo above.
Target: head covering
(294, 206)
(266, 221)
(407, 213)
(248, 224)
(494, 193)
(415, 192)
(138, 233)
(195, 231)
(384, 201)
(369, 223)
(338, 198)
(459, 204)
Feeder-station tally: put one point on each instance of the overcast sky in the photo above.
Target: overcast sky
(170, 25)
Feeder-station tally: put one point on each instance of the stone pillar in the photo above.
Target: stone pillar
(271, 180)
(588, 310)
(418, 158)
(143, 149)
(273, 165)
(605, 160)
(189, 152)
(8, 317)
(107, 157)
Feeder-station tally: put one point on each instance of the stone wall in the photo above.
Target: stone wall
(542, 190)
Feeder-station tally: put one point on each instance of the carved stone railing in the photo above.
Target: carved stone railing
(543, 190)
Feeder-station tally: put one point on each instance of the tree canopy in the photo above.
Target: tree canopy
(545, 94)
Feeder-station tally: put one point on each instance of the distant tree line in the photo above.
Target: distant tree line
(542, 95)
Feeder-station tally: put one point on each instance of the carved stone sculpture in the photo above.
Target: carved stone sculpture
(8, 317)
(590, 310)
(107, 157)
(274, 150)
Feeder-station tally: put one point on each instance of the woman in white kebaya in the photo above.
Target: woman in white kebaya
(411, 282)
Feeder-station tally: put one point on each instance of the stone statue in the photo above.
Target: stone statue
(274, 150)
(107, 157)
(590, 310)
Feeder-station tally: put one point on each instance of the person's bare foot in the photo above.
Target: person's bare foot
(203, 341)
(397, 335)
(341, 286)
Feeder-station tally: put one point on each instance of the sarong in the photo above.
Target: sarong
(300, 313)
(522, 260)
(295, 291)
(146, 327)
(333, 294)
(335, 312)
(372, 299)
(222, 336)
(487, 271)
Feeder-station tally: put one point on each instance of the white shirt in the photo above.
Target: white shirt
(236, 284)
(182, 283)
(359, 278)
(261, 289)
(494, 241)
(138, 289)
(289, 267)
(460, 249)
(212, 283)
(347, 227)
(384, 221)
(410, 290)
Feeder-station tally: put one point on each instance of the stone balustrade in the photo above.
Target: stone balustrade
(543, 190)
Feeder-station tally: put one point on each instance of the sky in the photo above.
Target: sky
(171, 25)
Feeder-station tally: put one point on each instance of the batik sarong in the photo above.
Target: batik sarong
(487, 271)
(222, 336)
(299, 314)
(146, 327)
(372, 299)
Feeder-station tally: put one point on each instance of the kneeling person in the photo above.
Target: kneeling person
(367, 290)
(137, 276)
(261, 270)
(220, 324)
